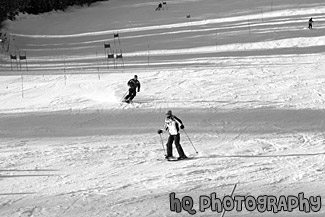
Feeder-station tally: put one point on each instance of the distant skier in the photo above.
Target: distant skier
(133, 84)
(310, 23)
(164, 5)
(172, 125)
(159, 7)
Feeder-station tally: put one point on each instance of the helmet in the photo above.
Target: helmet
(169, 113)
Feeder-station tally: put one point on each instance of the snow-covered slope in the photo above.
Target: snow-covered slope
(246, 77)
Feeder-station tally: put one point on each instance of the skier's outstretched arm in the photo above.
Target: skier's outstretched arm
(162, 130)
(179, 122)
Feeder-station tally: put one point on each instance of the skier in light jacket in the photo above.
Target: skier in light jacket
(172, 125)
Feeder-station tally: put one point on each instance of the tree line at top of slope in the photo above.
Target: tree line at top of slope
(9, 9)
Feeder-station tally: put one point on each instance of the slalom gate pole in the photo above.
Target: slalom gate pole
(190, 141)
(162, 143)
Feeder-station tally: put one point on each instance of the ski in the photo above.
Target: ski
(127, 101)
(175, 159)
(188, 158)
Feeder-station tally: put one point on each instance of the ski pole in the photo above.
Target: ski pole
(162, 143)
(190, 141)
(124, 95)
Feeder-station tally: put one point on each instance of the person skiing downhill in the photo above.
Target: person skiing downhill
(172, 125)
(310, 23)
(133, 84)
(159, 7)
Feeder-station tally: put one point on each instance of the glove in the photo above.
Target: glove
(182, 126)
(160, 131)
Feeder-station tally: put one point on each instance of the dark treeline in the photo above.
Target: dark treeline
(9, 9)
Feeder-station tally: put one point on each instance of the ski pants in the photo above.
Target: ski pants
(179, 148)
(132, 94)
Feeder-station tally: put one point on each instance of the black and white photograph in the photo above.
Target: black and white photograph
(141, 108)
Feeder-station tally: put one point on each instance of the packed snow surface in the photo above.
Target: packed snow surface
(245, 77)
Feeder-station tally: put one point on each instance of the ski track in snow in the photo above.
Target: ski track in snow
(248, 87)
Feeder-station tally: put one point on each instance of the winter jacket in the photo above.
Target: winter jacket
(172, 124)
(134, 84)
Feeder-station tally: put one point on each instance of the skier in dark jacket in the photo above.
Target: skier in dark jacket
(159, 7)
(310, 23)
(133, 84)
(172, 125)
